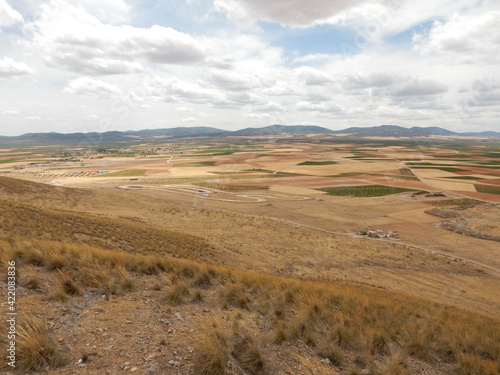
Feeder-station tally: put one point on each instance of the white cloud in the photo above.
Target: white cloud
(370, 79)
(91, 87)
(109, 11)
(312, 77)
(258, 115)
(79, 42)
(287, 12)
(91, 118)
(486, 92)
(318, 107)
(312, 58)
(10, 68)
(233, 81)
(270, 107)
(418, 87)
(11, 113)
(469, 38)
(8, 15)
(189, 119)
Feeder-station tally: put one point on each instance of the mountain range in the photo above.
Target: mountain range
(202, 131)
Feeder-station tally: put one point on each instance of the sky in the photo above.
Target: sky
(104, 65)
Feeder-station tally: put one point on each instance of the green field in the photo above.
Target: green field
(209, 163)
(233, 188)
(463, 177)
(6, 161)
(310, 162)
(396, 176)
(488, 189)
(125, 173)
(198, 180)
(446, 169)
(364, 191)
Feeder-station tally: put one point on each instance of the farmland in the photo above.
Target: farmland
(364, 191)
(262, 237)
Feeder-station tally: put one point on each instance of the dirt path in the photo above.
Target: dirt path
(351, 235)
(203, 192)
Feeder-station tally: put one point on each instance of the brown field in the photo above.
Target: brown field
(197, 218)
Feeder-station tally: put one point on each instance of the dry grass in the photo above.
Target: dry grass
(177, 293)
(455, 202)
(235, 294)
(211, 352)
(246, 351)
(337, 321)
(35, 348)
(332, 318)
(62, 226)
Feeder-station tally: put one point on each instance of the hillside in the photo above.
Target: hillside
(113, 137)
(105, 295)
(282, 129)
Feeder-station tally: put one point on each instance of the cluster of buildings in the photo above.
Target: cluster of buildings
(377, 233)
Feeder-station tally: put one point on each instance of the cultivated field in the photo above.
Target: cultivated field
(246, 258)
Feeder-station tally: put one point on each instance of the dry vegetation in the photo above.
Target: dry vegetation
(20, 219)
(75, 267)
(353, 327)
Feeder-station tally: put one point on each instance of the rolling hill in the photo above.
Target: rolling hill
(201, 131)
(99, 295)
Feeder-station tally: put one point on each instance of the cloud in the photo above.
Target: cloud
(318, 107)
(189, 119)
(286, 12)
(413, 94)
(176, 90)
(270, 107)
(91, 87)
(370, 79)
(486, 92)
(79, 42)
(469, 38)
(312, 77)
(11, 68)
(8, 15)
(258, 115)
(414, 88)
(233, 81)
(11, 113)
(109, 11)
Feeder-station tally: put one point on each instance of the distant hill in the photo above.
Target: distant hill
(395, 131)
(482, 134)
(112, 136)
(204, 131)
(282, 129)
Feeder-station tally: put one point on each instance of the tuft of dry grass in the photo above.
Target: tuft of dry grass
(35, 348)
(211, 351)
(203, 277)
(235, 294)
(176, 293)
(246, 352)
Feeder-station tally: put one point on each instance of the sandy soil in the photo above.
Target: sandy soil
(322, 170)
(314, 238)
(295, 190)
(451, 185)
